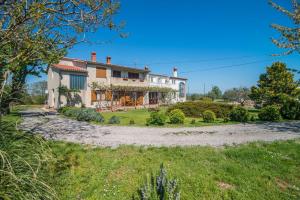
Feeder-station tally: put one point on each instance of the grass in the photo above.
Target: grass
(23, 162)
(252, 171)
(140, 115)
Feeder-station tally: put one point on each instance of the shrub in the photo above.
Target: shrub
(72, 112)
(82, 114)
(226, 119)
(252, 118)
(209, 116)
(114, 120)
(63, 109)
(85, 115)
(88, 114)
(155, 109)
(193, 121)
(290, 110)
(176, 117)
(157, 118)
(196, 108)
(239, 114)
(131, 122)
(269, 113)
(159, 187)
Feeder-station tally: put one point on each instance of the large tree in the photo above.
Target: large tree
(215, 93)
(275, 86)
(289, 36)
(239, 95)
(38, 33)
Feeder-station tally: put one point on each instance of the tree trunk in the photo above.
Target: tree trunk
(112, 100)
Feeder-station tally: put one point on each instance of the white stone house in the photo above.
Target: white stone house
(124, 86)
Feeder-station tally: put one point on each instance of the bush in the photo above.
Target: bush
(72, 112)
(158, 187)
(176, 117)
(156, 118)
(193, 121)
(82, 114)
(239, 114)
(88, 114)
(114, 120)
(196, 108)
(131, 122)
(226, 119)
(209, 116)
(155, 109)
(269, 113)
(252, 118)
(290, 110)
(63, 109)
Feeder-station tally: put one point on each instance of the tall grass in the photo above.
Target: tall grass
(23, 164)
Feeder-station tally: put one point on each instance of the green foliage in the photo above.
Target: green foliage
(89, 114)
(82, 114)
(269, 113)
(114, 120)
(196, 108)
(239, 114)
(156, 118)
(290, 109)
(176, 116)
(24, 164)
(193, 121)
(194, 97)
(209, 116)
(274, 86)
(159, 187)
(289, 36)
(131, 122)
(239, 95)
(154, 109)
(215, 93)
(251, 171)
(206, 99)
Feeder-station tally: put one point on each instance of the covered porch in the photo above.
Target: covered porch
(114, 97)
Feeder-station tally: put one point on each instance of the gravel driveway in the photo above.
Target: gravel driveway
(55, 127)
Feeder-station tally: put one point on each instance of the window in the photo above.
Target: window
(173, 81)
(152, 79)
(133, 75)
(77, 82)
(116, 74)
(100, 72)
(181, 89)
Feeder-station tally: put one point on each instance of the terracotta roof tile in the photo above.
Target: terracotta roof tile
(69, 68)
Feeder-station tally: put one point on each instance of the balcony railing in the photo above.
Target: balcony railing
(128, 81)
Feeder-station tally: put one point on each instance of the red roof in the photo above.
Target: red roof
(69, 68)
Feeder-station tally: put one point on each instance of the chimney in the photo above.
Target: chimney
(174, 72)
(108, 60)
(93, 57)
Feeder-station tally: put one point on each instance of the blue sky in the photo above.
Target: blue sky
(198, 37)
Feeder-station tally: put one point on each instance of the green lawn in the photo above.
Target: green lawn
(140, 115)
(253, 171)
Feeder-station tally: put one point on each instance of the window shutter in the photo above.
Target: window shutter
(93, 95)
(100, 72)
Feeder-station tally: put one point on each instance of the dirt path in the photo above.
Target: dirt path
(55, 127)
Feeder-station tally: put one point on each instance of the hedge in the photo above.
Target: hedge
(197, 108)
